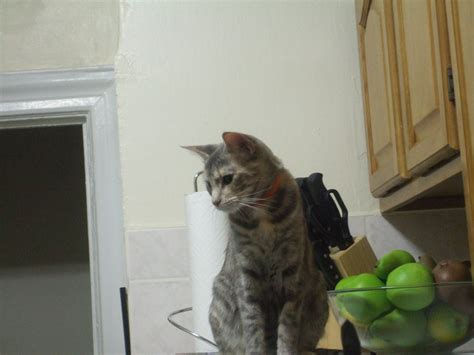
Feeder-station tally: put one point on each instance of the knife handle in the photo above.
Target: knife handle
(347, 237)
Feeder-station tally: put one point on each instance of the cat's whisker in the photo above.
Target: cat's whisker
(241, 213)
(249, 206)
(257, 206)
(246, 201)
(254, 207)
(258, 202)
(253, 193)
(243, 194)
(231, 200)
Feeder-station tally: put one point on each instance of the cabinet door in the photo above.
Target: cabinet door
(381, 98)
(461, 35)
(423, 57)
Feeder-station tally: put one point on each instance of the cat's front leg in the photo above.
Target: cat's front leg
(250, 305)
(288, 328)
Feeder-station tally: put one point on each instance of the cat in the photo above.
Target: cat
(269, 296)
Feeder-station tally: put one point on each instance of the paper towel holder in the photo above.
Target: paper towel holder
(186, 330)
(196, 176)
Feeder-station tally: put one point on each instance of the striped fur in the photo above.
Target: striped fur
(269, 296)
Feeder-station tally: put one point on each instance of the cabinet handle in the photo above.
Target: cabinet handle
(365, 13)
(451, 93)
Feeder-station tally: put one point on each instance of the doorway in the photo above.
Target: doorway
(81, 105)
(45, 281)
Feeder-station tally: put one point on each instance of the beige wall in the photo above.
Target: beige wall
(50, 34)
(286, 72)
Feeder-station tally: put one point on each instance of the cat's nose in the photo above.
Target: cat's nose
(216, 202)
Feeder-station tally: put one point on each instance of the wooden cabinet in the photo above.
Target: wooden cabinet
(460, 15)
(410, 120)
(417, 72)
(381, 98)
(429, 122)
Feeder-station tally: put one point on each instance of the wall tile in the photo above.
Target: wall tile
(441, 234)
(160, 253)
(357, 225)
(150, 305)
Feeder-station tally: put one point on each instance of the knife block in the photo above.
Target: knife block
(356, 259)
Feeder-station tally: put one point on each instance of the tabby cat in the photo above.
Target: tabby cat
(269, 296)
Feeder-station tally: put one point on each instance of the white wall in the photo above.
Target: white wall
(286, 72)
(50, 34)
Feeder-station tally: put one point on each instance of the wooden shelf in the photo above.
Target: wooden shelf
(440, 188)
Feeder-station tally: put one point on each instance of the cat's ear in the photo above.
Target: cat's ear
(239, 143)
(204, 151)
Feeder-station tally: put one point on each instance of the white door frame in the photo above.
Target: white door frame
(83, 97)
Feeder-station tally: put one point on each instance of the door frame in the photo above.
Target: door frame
(83, 97)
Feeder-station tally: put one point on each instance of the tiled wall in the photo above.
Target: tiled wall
(441, 234)
(159, 270)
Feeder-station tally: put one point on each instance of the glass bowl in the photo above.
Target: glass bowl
(428, 319)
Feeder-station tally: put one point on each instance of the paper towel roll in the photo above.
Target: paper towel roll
(208, 231)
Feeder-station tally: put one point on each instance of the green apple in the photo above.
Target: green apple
(362, 307)
(400, 328)
(414, 287)
(374, 344)
(391, 261)
(447, 325)
(369, 342)
(345, 284)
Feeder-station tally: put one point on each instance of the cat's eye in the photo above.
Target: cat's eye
(208, 187)
(227, 179)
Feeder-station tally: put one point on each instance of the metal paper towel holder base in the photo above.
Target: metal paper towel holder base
(186, 330)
